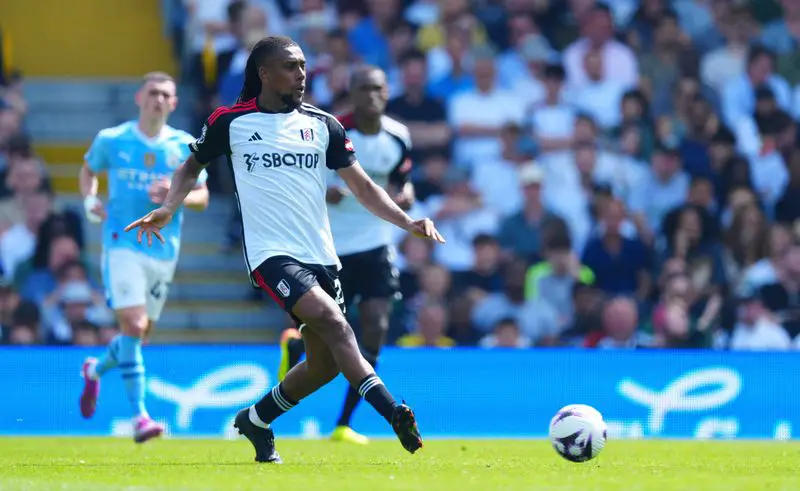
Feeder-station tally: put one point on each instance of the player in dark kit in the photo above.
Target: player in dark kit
(363, 241)
(279, 150)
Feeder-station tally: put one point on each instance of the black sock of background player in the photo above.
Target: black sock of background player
(352, 398)
(296, 348)
(373, 390)
(270, 407)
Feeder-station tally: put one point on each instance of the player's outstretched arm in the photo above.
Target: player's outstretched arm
(184, 180)
(379, 203)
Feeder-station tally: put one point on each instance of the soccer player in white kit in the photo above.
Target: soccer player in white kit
(280, 151)
(139, 158)
(364, 241)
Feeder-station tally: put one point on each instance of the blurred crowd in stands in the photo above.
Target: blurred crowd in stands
(46, 292)
(613, 174)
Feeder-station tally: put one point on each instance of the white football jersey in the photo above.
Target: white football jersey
(384, 157)
(279, 163)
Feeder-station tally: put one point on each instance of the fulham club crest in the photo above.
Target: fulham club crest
(307, 134)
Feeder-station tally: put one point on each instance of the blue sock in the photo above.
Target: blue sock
(110, 359)
(131, 365)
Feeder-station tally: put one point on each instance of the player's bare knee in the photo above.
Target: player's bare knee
(134, 323)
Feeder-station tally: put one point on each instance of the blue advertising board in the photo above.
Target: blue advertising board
(196, 391)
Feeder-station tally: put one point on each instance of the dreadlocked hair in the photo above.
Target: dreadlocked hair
(262, 50)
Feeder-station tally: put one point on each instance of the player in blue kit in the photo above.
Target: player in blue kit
(139, 158)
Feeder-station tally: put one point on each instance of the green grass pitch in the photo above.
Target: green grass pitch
(106, 464)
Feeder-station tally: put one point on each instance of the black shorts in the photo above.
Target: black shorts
(369, 274)
(286, 279)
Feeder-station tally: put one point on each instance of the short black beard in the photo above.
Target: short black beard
(290, 102)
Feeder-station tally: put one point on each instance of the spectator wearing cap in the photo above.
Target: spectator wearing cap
(618, 61)
(424, 115)
(498, 181)
(756, 328)
(621, 265)
(597, 96)
(66, 308)
(521, 232)
(663, 187)
(738, 94)
(478, 115)
(729, 62)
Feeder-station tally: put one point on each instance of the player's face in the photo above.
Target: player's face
(371, 94)
(286, 75)
(157, 99)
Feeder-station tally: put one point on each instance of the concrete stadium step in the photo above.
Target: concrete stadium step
(187, 319)
(225, 335)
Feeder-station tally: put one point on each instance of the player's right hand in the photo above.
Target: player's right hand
(151, 225)
(425, 229)
(93, 208)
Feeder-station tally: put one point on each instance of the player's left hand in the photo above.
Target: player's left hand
(426, 229)
(151, 224)
(158, 191)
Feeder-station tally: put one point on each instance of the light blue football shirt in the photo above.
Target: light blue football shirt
(133, 162)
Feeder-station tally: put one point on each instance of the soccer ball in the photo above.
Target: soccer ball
(578, 432)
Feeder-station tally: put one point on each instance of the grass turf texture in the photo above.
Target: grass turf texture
(38, 464)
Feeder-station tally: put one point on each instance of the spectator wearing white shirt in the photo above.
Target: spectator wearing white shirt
(19, 242)
(619, 61)
(552, 121)
(497, 181)
(598, 97)
(739, 93)
(757, 329)
(768, 170)
(728, 62)
(478, 115)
